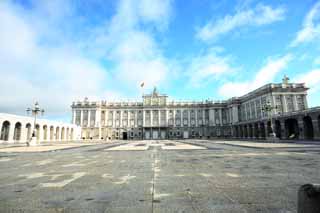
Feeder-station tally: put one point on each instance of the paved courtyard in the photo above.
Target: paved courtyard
(158, 176)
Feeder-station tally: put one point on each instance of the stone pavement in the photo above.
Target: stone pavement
(204, 176)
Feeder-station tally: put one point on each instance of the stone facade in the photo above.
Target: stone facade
(156, 117)
(18, 129)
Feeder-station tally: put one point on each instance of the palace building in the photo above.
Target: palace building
(277, 108)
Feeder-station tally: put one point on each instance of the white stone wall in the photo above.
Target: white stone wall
(46, 130)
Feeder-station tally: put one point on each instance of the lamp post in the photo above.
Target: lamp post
(268, 108)
(35, 110)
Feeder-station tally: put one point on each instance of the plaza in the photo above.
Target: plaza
(158, 176)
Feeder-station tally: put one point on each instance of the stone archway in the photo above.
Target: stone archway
(245, 128)
(38, 132)
(292, 128)
(17, 132)
(250, 133)
(237, 131)
(269, 128)
(62, 133)
(57, 133)
(277, 128)
(29, 133)
(241, 131)
(5, 131)
(308, 128)
(262, 130)
(51, 133)
(67, 134)
(256, 130)
(45, 132)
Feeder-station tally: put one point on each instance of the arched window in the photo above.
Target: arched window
(28, 127)
(5, 131)
(17, 132)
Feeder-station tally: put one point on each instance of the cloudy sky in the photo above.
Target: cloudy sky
(59, 51)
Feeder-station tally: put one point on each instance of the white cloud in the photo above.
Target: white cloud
(264, 76)
(208, 66)
(135, 53)
(45, 63)
(311, 79)
(55, 76)
(311, 27)
(258, 16)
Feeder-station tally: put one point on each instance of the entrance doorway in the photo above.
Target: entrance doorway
(124, 135)
(155, 134)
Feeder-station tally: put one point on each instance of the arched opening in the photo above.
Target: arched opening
(262, 130)
(269, 128)
(237, 131)
(277, 128)
(241, 131)
(245, 131)
(45, 128)
(51, 133)
(57, 133)
(38, 132)
(250, 130)
(292, 128)
(62, 133)
(71, 133)
(256, 130)
(67, 134)
(308, 128)
(17, 132)
(5, 131)
(28, 127)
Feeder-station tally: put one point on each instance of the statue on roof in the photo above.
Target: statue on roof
(285, 79)
(155, 92)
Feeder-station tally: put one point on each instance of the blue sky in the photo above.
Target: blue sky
(60, 51)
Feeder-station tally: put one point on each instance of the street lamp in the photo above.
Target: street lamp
(34, 111)
(268, 108)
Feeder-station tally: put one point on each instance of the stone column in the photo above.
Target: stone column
(285, 106)
(143, 118)
(301, 128)
(253, 131)
(189, 120)
(261, 113)
(166, 118)
(24, 131)
(295, 103)
(305, 101)
(81, 117)
(74, 116)
(114, 113)
(315, 124)
(220, 117)
(266, 128)
(245, 111)
(255, 109)
(98, 118)
(11, 132)
(283, 130)
(174, 117)
(41, 131)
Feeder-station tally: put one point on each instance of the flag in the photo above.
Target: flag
(142, 84)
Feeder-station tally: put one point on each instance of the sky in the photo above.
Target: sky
(59, 51)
